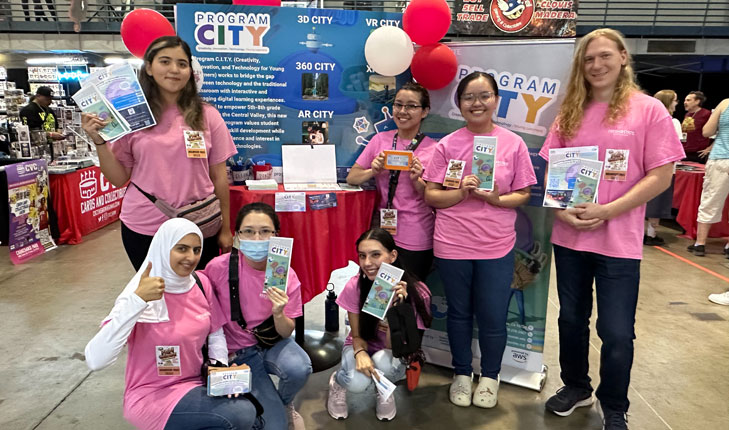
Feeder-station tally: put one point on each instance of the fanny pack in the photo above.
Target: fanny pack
(265, 332)
(405, 336)
(205, 213)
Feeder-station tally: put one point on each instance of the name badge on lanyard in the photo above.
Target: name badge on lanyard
(195, 144)
(168, 360)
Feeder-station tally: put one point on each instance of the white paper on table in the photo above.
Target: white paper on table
(290, 202)
(384, 387)
(309, 164)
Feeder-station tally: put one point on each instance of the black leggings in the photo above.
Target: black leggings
(136, 245)
(418, 262)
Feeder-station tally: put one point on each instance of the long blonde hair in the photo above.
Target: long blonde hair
(579, 92)
(666, 97)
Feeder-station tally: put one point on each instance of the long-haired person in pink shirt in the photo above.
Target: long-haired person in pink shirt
(602, 242)
(160, 161)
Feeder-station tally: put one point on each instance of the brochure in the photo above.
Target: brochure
(90, 100)
(484, 161)
(278, 262)
(562, 174)
(587, 182)
(380, 296)
(384, 386)
(119, 85)
(223, 381)
(290, 202)
(323, 201)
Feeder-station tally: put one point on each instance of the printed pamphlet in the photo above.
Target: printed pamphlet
(323, 201)
(380, 296)
(278, 262)
(484, 161)
(587, 182)
(385, 387)
(223, 381)
(290, 202)
(90, 100)
(562, 175)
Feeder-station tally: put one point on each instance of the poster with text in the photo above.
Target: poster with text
(522, 18)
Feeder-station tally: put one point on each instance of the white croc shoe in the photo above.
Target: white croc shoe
(461, 389)
(487, 392)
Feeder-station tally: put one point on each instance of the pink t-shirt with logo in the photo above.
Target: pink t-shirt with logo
(349, 301)
(150, 398)
(415, 218)
(474, 229)
(647, 133)
(159, 163)
(254, 303)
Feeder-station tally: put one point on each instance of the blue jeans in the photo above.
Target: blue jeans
(481, 288)
(198, 411)
(357, 382)
(616, 283)
(286, 360)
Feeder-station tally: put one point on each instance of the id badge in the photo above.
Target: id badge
(454, 174)
(168, 360)
(388, 220)
(195, 144)
(616, 164)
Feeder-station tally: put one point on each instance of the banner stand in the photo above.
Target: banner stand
(523, 378)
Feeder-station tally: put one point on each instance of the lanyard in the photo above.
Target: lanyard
(395, 174)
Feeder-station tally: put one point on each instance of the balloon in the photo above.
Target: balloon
(141, 27)
(427, 21)
(258, 2)
(388, 51)
(434, 66)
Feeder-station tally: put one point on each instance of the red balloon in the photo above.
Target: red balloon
(258, 2)
(426, 21)
(141, 27)
(434, 66)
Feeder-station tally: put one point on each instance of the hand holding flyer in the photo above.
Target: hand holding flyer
(278, 262)
(379, 298)
(90, 100)
(586, 184)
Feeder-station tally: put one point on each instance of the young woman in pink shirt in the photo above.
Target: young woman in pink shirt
(403, 190)
(475, 236)
(165, 318)
(602, 242)
(158, 160)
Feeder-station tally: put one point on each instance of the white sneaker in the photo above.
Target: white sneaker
(296, 421)
(486, 393)
(385, 408)
(337, 400)
(720, 299)
(461, 389)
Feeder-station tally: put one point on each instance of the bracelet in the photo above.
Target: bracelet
(355, 354)
(99, 144)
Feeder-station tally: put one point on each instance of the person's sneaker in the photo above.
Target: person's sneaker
(568, 399)
(460, 391)
(653, 241)
(698, 250)
(337, 400)
(720, 299)
(296, 421)
(385, 408)
(487, 392)
(613, 419)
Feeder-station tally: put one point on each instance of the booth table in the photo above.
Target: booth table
(85, 202)
(323, 239)
(687, 197)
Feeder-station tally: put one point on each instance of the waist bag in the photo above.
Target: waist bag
(204, 213)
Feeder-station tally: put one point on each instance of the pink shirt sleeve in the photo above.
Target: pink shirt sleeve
(523, 169)
(349, 297)
(552, 141)
(370, 152)
(435, 170)
(662, 145)
(293, 308)
(221, 140)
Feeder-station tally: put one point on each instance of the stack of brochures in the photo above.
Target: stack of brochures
(261, 184)
(573, 177)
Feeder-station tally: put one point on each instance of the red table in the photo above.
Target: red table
(323, 239)
(687, 197)
(84, 202)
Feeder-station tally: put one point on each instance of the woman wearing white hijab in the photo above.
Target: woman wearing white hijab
(165, 319)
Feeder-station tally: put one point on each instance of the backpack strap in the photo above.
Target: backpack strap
(235, 312)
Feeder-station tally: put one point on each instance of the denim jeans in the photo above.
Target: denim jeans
(198, 411)
(481, 288)
(616, 287)
(357, 382)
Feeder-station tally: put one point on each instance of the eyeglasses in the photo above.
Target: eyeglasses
(470, 98)
(406, 108)
(249, 233)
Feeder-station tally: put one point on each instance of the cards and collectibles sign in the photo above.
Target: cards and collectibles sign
(524, 18)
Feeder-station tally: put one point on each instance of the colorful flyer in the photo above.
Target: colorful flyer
(195, 144)
(278, 262)
(398, 160)
(484, 161)
(388, 220)
(323, 201)
(616, 164)
(90, 100)
(223, 381)
(454, 174)
(290, 202)
(587, 182)
(380, 296)
(384, 386)
(562, 174)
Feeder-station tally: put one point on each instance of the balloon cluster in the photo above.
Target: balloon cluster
(389, 50)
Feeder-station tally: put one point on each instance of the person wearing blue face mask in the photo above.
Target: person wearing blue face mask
(260, 322)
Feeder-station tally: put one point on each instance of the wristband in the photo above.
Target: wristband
(355, 354)
(99, 144)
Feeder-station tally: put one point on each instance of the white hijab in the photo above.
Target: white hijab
(169, 233)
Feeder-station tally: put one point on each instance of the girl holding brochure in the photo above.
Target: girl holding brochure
(261, 310)
(474, 235)
(403, 190)
(164, 304)
(166, 161)
(367, 348)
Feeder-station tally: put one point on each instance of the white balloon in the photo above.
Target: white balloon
(389, 51)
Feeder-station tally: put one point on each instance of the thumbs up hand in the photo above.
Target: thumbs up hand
(150, 287)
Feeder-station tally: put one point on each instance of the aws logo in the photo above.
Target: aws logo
(231, 32)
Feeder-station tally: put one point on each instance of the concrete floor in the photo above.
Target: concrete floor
(51, 306)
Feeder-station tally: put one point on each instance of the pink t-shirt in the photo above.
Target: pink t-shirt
(474, 229)
(254, 303)
(349, 301)
(647, 132)
(415, 219)
(150, 398)
(159, 163)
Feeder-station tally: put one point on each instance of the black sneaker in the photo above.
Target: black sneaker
(568, 399)
(653, 241)
(614, 420)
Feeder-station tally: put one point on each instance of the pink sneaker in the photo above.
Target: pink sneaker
(337, 400)
(385, 408)
(296, 421)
